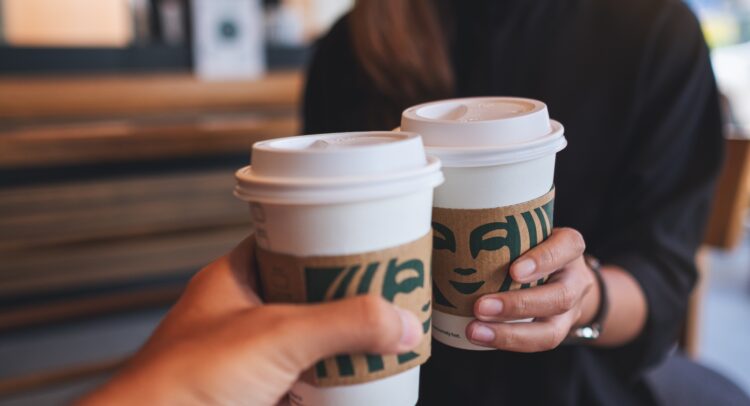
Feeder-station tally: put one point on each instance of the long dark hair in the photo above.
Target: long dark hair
(403, 50)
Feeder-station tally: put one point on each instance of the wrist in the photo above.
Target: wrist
(591, 301)
(593, 329)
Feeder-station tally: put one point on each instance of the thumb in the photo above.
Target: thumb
(361, 324)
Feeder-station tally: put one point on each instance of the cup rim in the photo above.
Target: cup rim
(475, 156)
(266, 145)
(295, 191)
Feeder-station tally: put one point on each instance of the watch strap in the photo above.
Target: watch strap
(594, 329)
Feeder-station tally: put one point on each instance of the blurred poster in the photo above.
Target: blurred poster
(67, 23)
(228, 39)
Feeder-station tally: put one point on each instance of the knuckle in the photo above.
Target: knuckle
(546, 255)
(197, 280)
(509, 339)
(547, 339)
(275, 321)
(374, 313)
(553, 339)
(566, 298)
(519, 305)
(372, 310)
(575, 239)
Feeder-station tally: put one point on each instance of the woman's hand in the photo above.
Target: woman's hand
(219, 345)
(569, 298)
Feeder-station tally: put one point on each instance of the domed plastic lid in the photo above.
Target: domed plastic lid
(340, 167)
(482, 131)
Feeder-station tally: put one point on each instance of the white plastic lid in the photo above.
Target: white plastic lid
(335, 168)
(480, 131)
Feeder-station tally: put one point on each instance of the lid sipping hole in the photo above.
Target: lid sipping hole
(319, 144)
(443, 111)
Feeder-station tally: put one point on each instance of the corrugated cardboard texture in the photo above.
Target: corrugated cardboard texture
(400, 274)
(473, 250)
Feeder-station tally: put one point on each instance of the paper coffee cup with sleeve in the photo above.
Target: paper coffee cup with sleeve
(498, 156)
(339, 215)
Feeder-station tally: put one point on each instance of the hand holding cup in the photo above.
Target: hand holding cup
(220, 345)
(556, 307)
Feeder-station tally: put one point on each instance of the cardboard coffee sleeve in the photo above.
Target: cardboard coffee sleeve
(473, 250)
(400, 274)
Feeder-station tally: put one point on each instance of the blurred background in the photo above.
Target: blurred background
(121, 124)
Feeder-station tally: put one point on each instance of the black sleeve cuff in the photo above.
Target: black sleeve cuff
(666, 299)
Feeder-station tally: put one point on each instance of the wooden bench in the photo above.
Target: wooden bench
(117, 180)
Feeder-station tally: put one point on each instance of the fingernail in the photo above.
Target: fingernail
(411, 331)
(524, 268)
(482, 334)
(490, 307)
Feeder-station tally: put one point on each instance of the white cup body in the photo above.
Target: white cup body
(486, 187)
(401, 389)
(342, 194)
(343, 229)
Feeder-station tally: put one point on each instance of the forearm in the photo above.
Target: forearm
(627, 308)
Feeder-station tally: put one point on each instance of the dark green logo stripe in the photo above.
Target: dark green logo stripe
(320, 369)
(549, 209)
(318, 281)
(374, 362)
(341, 289)
(346, 367)
(540, 215)
(407, 356)
(507, 282)
(366, 281)
(531, 226)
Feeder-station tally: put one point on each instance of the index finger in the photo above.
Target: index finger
(562, 247)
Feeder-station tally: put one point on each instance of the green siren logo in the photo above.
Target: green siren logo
(399, 274)
(473, 250)
(400, 282)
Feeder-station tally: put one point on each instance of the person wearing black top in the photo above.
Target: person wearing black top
(632, 83)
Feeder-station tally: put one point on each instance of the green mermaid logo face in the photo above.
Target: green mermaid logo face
(473, 249)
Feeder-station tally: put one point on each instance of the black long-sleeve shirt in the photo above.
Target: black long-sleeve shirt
(632, 83)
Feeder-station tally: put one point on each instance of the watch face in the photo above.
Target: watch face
(587, 333)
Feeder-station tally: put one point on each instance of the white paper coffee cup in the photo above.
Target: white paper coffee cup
(342, 194)
(496, 152)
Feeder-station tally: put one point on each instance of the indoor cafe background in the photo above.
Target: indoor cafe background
(121, 124)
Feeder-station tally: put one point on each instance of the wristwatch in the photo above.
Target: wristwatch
(593, 330)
